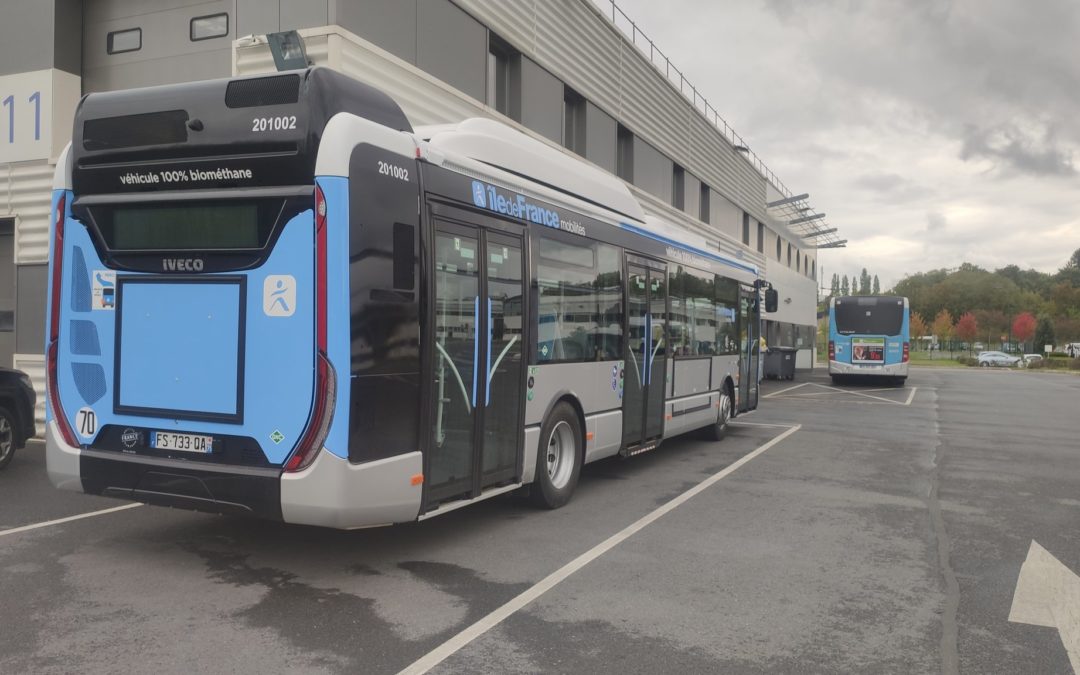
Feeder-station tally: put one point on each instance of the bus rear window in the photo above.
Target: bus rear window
(198, 226)
(869, 316)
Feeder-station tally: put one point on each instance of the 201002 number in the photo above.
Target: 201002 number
(273, 123)
(393, 170)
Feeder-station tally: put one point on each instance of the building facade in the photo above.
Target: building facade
(560, 70)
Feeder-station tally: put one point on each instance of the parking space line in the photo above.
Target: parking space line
(911, 397)
(59, 521)
(457, 642)
(776, 393)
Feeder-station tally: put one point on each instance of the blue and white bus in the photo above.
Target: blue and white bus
(273, 296)
(869, 336)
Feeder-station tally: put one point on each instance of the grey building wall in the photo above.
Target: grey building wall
(652, 170)
(168, 54)
(7, 291)
(600, 136)
(537, 100)
(691, 195)
(40, 34)
(389, 24)
(32, 285)
(452, 46)
(725, 216)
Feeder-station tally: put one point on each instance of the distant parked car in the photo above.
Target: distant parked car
(1073, 350)
(16, 412)
(978, 346)
(987, 359)
(1032, 358)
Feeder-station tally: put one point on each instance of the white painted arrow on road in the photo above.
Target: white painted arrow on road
(1048, 594)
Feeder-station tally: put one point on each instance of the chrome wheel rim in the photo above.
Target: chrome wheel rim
(7, 438)
(561, 455)
(725, 410)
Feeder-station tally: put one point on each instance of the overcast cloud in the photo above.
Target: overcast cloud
(931, 132)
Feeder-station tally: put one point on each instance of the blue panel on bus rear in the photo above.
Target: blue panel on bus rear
(179, 346)
(338, 305)
(279, 347)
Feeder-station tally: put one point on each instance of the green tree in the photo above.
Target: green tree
(834, 288)
(1044, 333)
(844, 288)
(877, 286)
(864, 282)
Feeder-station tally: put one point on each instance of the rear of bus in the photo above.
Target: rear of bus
(869, 336)
(198, 318)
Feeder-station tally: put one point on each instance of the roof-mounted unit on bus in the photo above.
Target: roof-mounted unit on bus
(501, 146)
(236, 132)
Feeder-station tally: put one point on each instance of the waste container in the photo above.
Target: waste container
(780, 363)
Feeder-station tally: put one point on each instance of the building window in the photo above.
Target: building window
(624, 154)
(573, 121)
(798, 260)
(789, 255)
(813, 269)
(703, 204)
(778, 248)
(746, 228)
(209, 27)
(500, 60)
(120, 41)
(678, 187)
(760, 238)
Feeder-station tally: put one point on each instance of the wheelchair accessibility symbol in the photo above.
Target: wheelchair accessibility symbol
(279, 295)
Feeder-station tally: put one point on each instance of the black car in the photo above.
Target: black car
(16, 412)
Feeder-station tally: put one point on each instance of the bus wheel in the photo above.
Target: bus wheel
(558, 464)
(899, 381)
(717, 431)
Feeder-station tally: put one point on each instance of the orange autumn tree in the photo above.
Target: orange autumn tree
(917, 325)
(967, 328)
(942, 328)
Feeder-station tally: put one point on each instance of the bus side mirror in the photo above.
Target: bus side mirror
(772, 299)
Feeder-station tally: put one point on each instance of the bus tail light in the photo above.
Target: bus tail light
(51, 377)
(907, 352)
(832, 350)
(322, 412)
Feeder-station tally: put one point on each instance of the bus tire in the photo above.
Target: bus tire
(558, 462)
(899, 381)
(717, 431)
(8, 436)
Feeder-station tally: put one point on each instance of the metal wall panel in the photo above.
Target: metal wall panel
(30, 308)
(390, 24)
(600, 136)
(26, 42)
(652, 170)
(452, 46)
(540, 101)
(26, 193)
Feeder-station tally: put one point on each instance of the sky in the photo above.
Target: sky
(930, 132)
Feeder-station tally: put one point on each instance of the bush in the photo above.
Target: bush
(1074, 364)
(967, 360)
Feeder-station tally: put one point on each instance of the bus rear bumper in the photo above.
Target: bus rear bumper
(890, 370)
(334, 492)
(61, 460)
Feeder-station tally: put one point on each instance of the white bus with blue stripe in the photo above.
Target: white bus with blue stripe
(272, 296)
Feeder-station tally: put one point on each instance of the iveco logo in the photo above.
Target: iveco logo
(182, 264)
(130, 437)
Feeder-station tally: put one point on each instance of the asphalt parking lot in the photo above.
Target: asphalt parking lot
(841, 529)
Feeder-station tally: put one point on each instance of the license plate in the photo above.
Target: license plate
(166, 440)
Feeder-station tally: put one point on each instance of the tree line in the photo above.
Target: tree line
(971, 304)
(863, 284)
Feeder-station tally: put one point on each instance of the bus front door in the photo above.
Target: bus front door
(478, 362)
(749, 339)
(646, 357)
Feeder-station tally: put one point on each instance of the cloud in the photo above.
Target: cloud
(936, 222)
(1010, 148)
